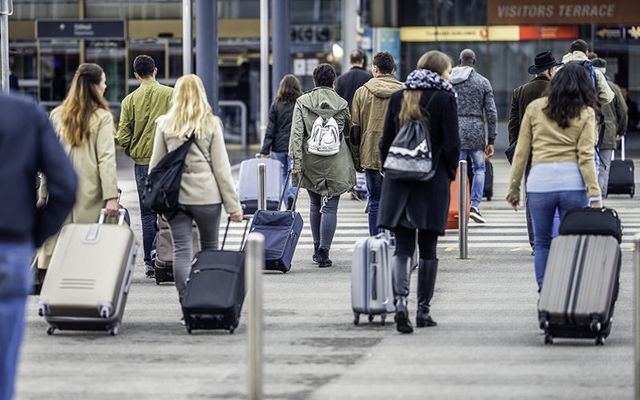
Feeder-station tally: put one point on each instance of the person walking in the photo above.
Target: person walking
(475, 104)
(276, 139)
(543, 69)
(325, 176)
(407, 207)
(28, 144)
(615, 118)
(206, 183)
(85, 127)
(349, 82)
(369, 109)
(578, 54)
(138, 115)
(557, 132)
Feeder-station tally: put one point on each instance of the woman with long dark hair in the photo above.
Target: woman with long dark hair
(85, 126)
(407, 207)
(276, 139)
(558, 133)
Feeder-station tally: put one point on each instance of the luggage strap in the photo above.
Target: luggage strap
(244, 233)
(284, 190)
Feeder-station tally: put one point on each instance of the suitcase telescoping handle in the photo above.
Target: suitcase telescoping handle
(244, 233)
(622, 150)
(121, 216)
(284, 190)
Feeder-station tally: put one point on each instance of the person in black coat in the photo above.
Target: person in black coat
(410, 206)
(348, 83)
(276, 139)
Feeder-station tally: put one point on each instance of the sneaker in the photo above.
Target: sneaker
(323, 258)
(151, 274)
(476, 216)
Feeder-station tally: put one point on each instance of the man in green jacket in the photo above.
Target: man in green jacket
(136, 131)
(368, 113)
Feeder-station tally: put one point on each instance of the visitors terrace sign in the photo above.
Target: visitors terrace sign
(80, 29)
(506, 12)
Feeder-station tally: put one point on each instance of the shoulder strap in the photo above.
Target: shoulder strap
(195, 141)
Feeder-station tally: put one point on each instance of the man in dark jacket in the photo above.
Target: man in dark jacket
(475, 105)
(28, 144)
(544, 68)
(348, 83)
(615, 118)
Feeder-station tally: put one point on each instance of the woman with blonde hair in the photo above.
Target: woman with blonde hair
(407, 207)
(85, 127)
(206, 183)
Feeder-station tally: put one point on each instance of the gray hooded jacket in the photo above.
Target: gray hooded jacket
(475, 103)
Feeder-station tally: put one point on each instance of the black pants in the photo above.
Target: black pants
(406, 243)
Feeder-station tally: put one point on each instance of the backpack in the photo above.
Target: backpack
(162, 185)
(410, 156)
(325, 137)
(591, 70)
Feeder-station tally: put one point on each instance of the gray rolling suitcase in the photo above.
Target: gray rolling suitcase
(248, 184)
(371, 280)
(163, 261)
(580, 287)
(89, 277)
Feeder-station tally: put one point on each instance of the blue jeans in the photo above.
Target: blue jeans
(15, 284)
(147, 216)
(374, 187)
(543, 213)
(284, 159)
(478, 167)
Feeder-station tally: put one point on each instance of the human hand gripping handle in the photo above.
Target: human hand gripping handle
(112, 207)
(236, 216)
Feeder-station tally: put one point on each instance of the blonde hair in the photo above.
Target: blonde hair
(190, 111)
(433, 60)
(82, 101)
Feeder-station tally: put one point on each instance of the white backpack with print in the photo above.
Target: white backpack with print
(325, 137)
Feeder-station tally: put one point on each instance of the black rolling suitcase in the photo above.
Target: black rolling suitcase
(488, 177)
(621, 175)
(215, 288)
(581, 279)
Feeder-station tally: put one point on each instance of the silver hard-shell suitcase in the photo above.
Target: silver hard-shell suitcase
(371, 279)
(89, 277)
(580, 287)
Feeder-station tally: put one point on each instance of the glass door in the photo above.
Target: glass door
(58, 62)
(111, 55)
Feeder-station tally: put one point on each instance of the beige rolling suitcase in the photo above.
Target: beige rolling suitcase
(89, 277)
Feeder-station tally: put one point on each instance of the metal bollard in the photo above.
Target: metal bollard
(462, 210)
(254, 263)
(6, 9)
(636, 275)
(262, 201)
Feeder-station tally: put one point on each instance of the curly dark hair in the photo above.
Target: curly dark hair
(324, 75)
(289, 89)
(570, 91)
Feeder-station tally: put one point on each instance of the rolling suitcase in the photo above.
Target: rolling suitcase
(371, 279)
(487, 191)
(580, 285)
(454, 212)
(360, 188)
(281, 231)
(163, 261)
(215, 288)
(89, 277)
(248, 184)
(621, 175)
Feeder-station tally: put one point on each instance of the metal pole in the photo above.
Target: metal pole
(264, 66)
(187, 46)
(636, 275)
(254, 263)
(349, 31)
(207, 48)
(262, 201)
(5, 10)
(462, 209)
(280, 46)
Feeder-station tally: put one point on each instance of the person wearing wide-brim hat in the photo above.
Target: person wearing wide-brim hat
(544, 67)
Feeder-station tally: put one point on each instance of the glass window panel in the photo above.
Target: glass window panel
(58, 63)
(111, 56)
(134, 9)
(34, 9)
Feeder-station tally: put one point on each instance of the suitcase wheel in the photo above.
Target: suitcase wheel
(188, 329)
(231, 330)
(548, 339)
(114, 330)
(383, 319)
(356, 318)
(51, 330)
(595, 326)
(105, 311)
(600, 339)
(370, 318)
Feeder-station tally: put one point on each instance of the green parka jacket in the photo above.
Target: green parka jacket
(327, 176)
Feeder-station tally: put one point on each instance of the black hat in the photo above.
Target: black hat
(543, 62)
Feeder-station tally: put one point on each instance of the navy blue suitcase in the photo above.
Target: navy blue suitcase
(281, 231)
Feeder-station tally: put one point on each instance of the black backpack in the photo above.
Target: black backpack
(162, 186)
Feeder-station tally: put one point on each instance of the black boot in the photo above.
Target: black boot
(316, 245)
(426, 283)
(401, 273)
(323, 258)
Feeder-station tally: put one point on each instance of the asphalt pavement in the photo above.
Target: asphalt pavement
(487, 344)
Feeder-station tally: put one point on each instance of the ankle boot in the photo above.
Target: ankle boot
(401, 273)
(323, 258)
(316, 245)
(426, 284)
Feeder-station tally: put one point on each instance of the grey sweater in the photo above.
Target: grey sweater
(475, 103)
